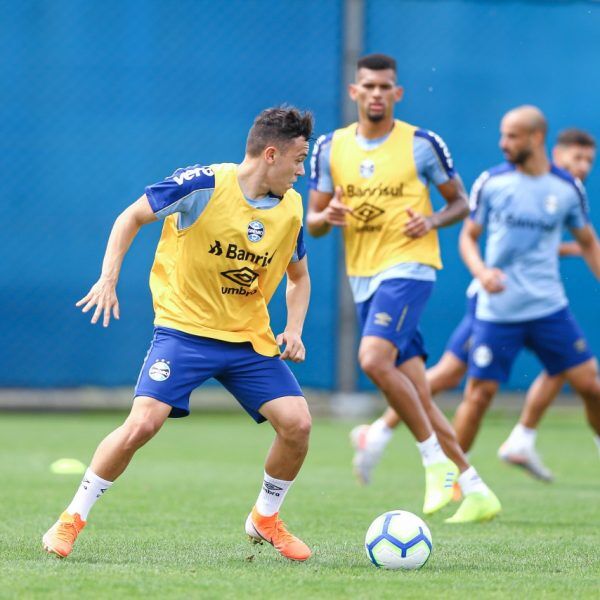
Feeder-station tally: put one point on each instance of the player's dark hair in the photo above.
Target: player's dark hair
(575, 137)
(376, 62)
(278, 127)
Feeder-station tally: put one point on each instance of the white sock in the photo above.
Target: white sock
(378, 435)
(470, 482)
(90, 489)
(271, 495)
(597, 440)
(431, 451)
(522, 437)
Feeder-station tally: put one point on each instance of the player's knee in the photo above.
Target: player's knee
(139, 431)
(297, 430)
(373, 365)
(481, 394)
(588, 386)
(452, 380)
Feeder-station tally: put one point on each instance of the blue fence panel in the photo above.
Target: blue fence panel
(106, 97)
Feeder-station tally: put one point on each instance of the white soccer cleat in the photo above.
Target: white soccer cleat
(526, 458)
(365, 459)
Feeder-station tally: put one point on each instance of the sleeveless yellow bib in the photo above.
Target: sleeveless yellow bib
(216, 277)
(380, 185)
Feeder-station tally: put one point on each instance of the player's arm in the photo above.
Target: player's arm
(490, 278)
(324, 211)
(435, 166)
(456, 209)
(590, 247)
(569, 249)
(297, 297)
(103, 294)
(325, 205)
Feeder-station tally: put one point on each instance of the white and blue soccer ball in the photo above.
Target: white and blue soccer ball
(398, 540)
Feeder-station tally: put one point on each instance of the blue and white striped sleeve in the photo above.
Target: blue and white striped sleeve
(187, 191)
(478, 203)
(300, 250)
(432, 158)
(320, 169)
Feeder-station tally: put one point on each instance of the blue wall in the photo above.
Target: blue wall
(103, 98)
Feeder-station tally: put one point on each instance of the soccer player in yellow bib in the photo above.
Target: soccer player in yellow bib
(230, 234)
(372, 179)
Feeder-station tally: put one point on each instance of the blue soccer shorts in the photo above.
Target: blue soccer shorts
(556, 340)
(461, 339)
(177, 363)
(393, 313)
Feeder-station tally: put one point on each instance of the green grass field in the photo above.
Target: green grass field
(172, 526)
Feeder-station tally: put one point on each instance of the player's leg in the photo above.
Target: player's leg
(519, 448)
(585, 381)
(291, 420)
(110, 460)
(369, 441)
(480, 503)
(268, 391)
(377, 358)
(447, 373)
(560, 344)
(477, 398)
(494, 349)
(540, 396)
(389, 335)
(166, 380)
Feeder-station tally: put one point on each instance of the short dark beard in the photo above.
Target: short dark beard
(521, 158)
(375, 118)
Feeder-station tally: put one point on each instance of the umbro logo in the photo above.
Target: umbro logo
(271, 486)
(271, 489)
(383, 319)
(367, 212)
(244, 276)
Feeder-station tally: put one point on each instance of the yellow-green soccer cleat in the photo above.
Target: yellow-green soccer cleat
(439, 482)
(477, 507)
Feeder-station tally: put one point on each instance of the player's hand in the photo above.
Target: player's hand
(336, 211)
(417, 225)
(294, 348)
(102, 295)
(492, 280)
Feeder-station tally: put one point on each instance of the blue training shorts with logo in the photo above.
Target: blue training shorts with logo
(178, 362)
(556, 340)
(393, 313)
(462, 337)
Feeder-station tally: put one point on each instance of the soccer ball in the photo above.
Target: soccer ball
(398, 540)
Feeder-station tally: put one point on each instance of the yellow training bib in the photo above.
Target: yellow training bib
(216, 277)
(380, 185)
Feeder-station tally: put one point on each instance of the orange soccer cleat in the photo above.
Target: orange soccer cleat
(273, 530)
(456, 492)
(59, 539)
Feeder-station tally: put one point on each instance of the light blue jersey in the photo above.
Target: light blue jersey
(434, 166)
(525, 218)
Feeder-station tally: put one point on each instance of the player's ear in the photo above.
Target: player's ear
(352, 91)
(269, 154)
(398, 93)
